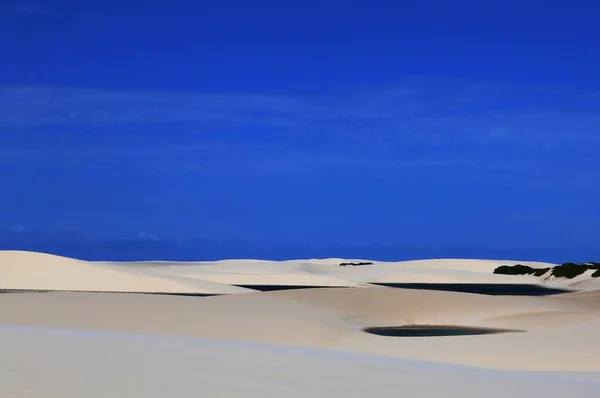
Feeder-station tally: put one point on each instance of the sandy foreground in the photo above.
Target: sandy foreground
(70, 328)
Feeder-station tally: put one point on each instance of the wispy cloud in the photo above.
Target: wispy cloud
(30, 106)
(435, 115)
(410, 131)
(32, 9)
(116, 18)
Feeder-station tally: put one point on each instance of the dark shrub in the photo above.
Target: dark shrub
(592, 265)
(355, 264)
(540, 271)
(517, 269)
(566, 270)
(569, 270)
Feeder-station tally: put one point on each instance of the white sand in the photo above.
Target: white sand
(327, 272)
(68, 364)
(26, 270)
(561, 332)
(284, 343)
(36, 271)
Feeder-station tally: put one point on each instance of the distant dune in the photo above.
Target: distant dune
(65, 316)
(37, 271)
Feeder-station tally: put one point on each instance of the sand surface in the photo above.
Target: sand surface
(96, 325)
(68, 364)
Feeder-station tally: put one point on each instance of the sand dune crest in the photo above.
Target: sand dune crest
(37, 271)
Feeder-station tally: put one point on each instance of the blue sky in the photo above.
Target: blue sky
(424, 123)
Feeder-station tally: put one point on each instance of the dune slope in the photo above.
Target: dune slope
(71, 328)
(37, 271)
(70, 364)
(561, 333)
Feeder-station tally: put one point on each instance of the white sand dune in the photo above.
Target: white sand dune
(586, 284)
(297, 279)
(327, 272)
(334, 319)
(37, 271)
(68, 364)
(281, 343)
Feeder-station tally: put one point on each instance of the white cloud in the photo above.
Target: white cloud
(32, 9)
(434, 115)
(32, 105)
(116, 18)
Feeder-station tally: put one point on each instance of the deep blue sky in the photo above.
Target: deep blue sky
(312, 123)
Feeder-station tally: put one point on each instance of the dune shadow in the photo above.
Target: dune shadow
(35, 291)
(434, 331)
(174, 294)
(6, 291)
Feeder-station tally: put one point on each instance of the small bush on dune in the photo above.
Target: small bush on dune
(593, 265)
(517, 269)
(569, 270)
(355, 264)
(541, 271)
(566, 270)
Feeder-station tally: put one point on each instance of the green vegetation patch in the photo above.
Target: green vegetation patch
(566, 270)
(355, 264)
(520, 269)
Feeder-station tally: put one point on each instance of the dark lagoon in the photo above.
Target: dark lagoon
(269, 288)
(433, 331)
(493, 289)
